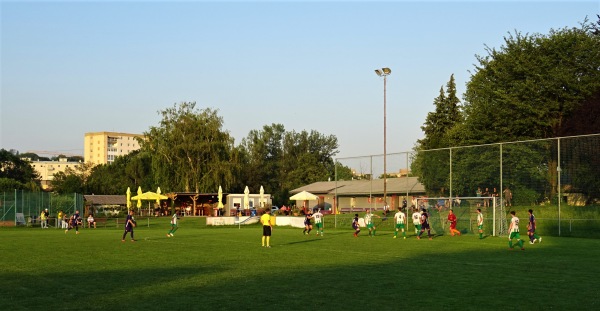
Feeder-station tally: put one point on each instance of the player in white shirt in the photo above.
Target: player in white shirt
(318, 217)
(480, 223)
(416, 217)
(369, 222)
(514, 231)
(174, 226)
(400, 219)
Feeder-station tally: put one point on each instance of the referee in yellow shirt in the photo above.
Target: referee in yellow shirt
(265, 219)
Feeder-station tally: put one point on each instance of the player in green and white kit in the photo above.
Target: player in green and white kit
(400, 223)
(480, 223)
(416, 217)
(514, 231)
(318, 217)
(174, 226)
(369, 222)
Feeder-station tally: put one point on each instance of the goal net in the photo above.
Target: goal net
(465, 209)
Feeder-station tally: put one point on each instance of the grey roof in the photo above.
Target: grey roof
(365, 187)
(106, 199)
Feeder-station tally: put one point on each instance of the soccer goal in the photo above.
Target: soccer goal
(465, 209)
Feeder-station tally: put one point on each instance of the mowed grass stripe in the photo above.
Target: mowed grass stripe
(226, 268)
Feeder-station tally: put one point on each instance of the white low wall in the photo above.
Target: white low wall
(296, 222)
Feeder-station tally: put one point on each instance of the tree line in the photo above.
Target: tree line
(533, 87)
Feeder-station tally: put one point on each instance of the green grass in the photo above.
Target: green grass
(227, 269)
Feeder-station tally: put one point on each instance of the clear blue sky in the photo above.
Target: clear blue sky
(73, 67)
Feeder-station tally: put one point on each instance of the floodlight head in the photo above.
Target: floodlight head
(378, 72)
(386, 70)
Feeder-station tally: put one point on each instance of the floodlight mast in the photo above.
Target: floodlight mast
(384, 72)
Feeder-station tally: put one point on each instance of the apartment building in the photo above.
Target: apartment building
(104, 147)
(47, 169)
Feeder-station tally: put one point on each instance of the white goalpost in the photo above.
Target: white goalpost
(465, 209)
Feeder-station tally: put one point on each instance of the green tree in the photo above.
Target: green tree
(281, 161)
(16, 172)
(531, 88)
(432, 166)
(190, 150)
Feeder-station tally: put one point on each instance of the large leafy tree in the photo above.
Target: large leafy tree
(16, 173)
(190, 150)
(534, 86)
(281, 161)
(131, 170)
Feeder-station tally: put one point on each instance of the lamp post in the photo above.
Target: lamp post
(384, 72)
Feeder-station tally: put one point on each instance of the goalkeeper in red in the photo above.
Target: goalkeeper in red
(400, 219)
(453, 220)
(514, 231)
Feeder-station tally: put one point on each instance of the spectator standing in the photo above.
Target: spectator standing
(59, 218)
(44, 219)
(507, 197)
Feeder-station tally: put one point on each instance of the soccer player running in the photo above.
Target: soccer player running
(129, 225)
(400, 219)
(265, 220)
(424, 225)
(531, 229)
(480, 223)
(307, 224)
(453, 220)
(416, 217)
(318, 217)
(369, 222)
(174, 226)
(514, 231)
(75, 220)
(356, 226)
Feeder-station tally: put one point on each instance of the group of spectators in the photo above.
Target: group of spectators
(507, 195)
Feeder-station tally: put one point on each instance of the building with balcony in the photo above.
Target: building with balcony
(104, 147)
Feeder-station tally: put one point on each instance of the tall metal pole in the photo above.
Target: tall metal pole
(384, 72)
(384, 143)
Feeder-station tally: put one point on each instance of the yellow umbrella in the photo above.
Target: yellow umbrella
(128, 198)
(220, 197)
(139, 199)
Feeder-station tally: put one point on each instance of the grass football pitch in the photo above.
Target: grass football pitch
(225, 268)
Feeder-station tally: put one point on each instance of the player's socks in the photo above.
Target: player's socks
(268, 241)
(374, 232)
(404, 234)
(395, 233)
(510, 244)
(309, 231)
(263, 241)
(480, 235)
(304, 231)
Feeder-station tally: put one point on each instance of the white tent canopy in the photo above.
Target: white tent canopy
(304, 196)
